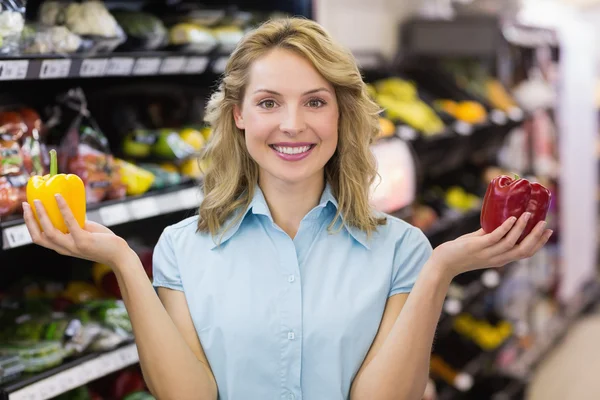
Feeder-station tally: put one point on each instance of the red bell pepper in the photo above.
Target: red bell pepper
(507, 197)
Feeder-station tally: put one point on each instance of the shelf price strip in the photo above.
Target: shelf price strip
(78, 375)
(13, 70)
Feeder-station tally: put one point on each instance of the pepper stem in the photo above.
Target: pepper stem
(53, 163)
(517, 177)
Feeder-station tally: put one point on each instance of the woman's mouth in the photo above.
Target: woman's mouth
(292, 153)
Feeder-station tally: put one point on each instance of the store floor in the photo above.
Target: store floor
(572, 370)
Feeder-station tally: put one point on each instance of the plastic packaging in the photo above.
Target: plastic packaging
(187, 36)
(144, 31)
(35, 356)
(84, 150)
(12, 22)
(41, 39)
(13, 178)
(10, 367)
(91, 20)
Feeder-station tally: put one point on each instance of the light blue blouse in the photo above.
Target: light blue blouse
(288, 319)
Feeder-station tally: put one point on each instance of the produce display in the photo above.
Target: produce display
(90, 27)
(144, 31)
(402, 104)
(12, 22)
(127, 384)
(510, 197)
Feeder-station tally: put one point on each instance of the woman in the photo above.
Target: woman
(287, 285)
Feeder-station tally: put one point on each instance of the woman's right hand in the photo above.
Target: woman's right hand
(94, 242)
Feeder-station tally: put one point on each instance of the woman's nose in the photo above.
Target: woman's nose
(293, 123)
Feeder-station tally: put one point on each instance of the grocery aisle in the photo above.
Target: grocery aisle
(571, 370)
(121, 99)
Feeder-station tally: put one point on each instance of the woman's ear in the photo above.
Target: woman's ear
(237, 116)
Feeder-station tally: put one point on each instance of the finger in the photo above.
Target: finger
(35, 232)
(32, 225)
(542, 242)
(68, 217)
(508, 257)
(95, 227)
(510, 240)
(494, 237)
(527, 247)
(52, 234)
(477, 233)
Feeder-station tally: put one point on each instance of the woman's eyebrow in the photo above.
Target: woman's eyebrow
(321, 89)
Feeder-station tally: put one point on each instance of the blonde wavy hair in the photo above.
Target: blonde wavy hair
(232, 174)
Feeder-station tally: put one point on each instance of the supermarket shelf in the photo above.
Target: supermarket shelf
(557, 329)
(181, 198)
(452, 226)
(70, 375)
(109, 65)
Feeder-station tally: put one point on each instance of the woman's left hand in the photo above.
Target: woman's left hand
(478, 250)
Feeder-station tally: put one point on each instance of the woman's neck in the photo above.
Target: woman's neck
(289, 203)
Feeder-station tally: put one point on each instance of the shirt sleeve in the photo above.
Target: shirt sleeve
(165, 270)
(412, 252)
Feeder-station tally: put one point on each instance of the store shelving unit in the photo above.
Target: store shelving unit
(111, 213)
(70, 375)
(123, 64)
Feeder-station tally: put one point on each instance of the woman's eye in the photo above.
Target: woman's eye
(316, 103)
(268, 104)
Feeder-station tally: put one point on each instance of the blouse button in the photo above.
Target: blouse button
(291, 278)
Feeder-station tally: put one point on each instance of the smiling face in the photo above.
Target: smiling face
(290, 118)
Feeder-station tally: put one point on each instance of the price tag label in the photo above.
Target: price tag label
(25, 394)
(190, 198)
(144, 208)
(498, 117)
(114, 215)
(17, 236)
(196, 65)
(220, 64)
(146, 66)
(55, 69)
(13, 70)
(93, 67)
(169, 203)
(463, 128)
(119, 66)
(172, 65)
(405, 132)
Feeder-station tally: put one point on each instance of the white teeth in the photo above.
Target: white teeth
(292, 150)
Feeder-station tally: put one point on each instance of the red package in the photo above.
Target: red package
(35, 153)
(13, 178)
(84, 151)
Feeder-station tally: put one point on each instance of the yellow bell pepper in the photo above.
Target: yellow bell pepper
(69, 186)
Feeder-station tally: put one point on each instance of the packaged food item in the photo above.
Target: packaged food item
(13, 177)
(191, 37)
(35, 356)
(137, 180)
(84, 150)
(170, 145)
(35, 152)
(90, 20)
(163, 177)
(42, 39)
(10, 367)
(144, 31)
(12, 22)
(228, 37)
